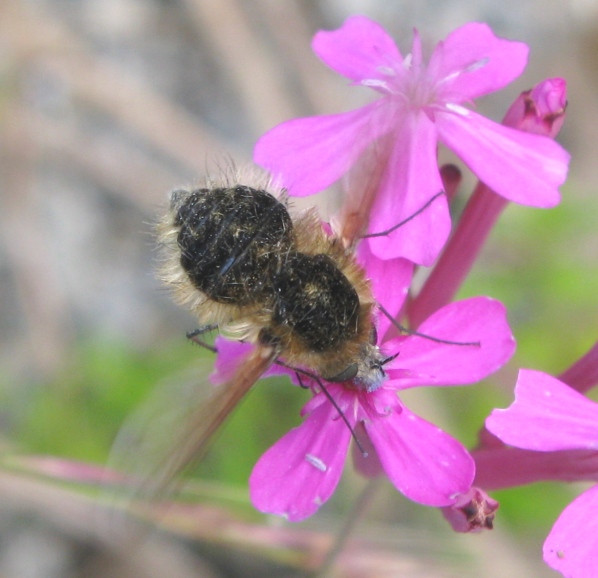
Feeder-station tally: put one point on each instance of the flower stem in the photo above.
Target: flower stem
(583, 374)
(506, 467)
(479, 216)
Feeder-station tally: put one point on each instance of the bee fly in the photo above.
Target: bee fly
(236, 257)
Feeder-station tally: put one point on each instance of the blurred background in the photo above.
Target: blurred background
(105, 106)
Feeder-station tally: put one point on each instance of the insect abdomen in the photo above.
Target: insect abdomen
(231, 241)
(315, 300)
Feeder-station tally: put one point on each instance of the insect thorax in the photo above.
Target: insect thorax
(232, 241)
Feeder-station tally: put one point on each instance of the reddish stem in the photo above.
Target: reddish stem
(507, 467)
(480, 215)
(583, 374)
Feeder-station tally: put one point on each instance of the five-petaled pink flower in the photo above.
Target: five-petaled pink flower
(548, 415)
(420, 106)
(300, 472)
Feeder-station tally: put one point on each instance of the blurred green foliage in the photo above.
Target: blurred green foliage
(78, 413)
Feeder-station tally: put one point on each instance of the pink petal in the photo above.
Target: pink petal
(550, 96)
(360, 49)
(416, 52)
(546, 415)
(479, 320)
(411, 179)
(231, 354)
(306, 155)
(300, 471)
(390, 281)
(365, 459)
(522, 167)
(475, 62)
(572, 545)
(423, 462)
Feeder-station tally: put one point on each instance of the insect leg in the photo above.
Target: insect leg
(404, 221)
(404, 329)
(196, 333)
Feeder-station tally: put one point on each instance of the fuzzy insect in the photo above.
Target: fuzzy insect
(234, 255)
(237, 258)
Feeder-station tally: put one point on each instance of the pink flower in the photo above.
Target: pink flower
(419, 107)
(540, 110)
(300, 472)
(546, 416)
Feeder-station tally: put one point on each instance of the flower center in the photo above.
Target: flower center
(413, 87)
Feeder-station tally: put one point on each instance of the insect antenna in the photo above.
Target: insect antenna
(404, 329)
(389, 359)
(298, 373)
(343, 416)
(404, 221)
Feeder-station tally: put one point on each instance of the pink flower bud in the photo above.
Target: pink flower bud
(472, 512)
(540, 110)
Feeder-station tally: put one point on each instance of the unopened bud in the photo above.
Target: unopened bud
(471, 512)
(540, 110)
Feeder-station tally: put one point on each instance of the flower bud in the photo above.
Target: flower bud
(540, 110)
(471, 512)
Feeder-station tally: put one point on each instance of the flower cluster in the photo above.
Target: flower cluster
(419, 106)
(550, 417)
(395, 212)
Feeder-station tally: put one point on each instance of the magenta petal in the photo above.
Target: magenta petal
(475, 62)
(572, 545)
(231, 354)
(359, 49)
(306, 155)
(550, 96)
(365, 458)
(423, 462)
(390, 281)
(411, 179)
(546, 415)
(522, 167)
(479, 320)
(300, 471)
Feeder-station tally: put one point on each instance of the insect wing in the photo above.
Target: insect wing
(174, 428)
(209, 416)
